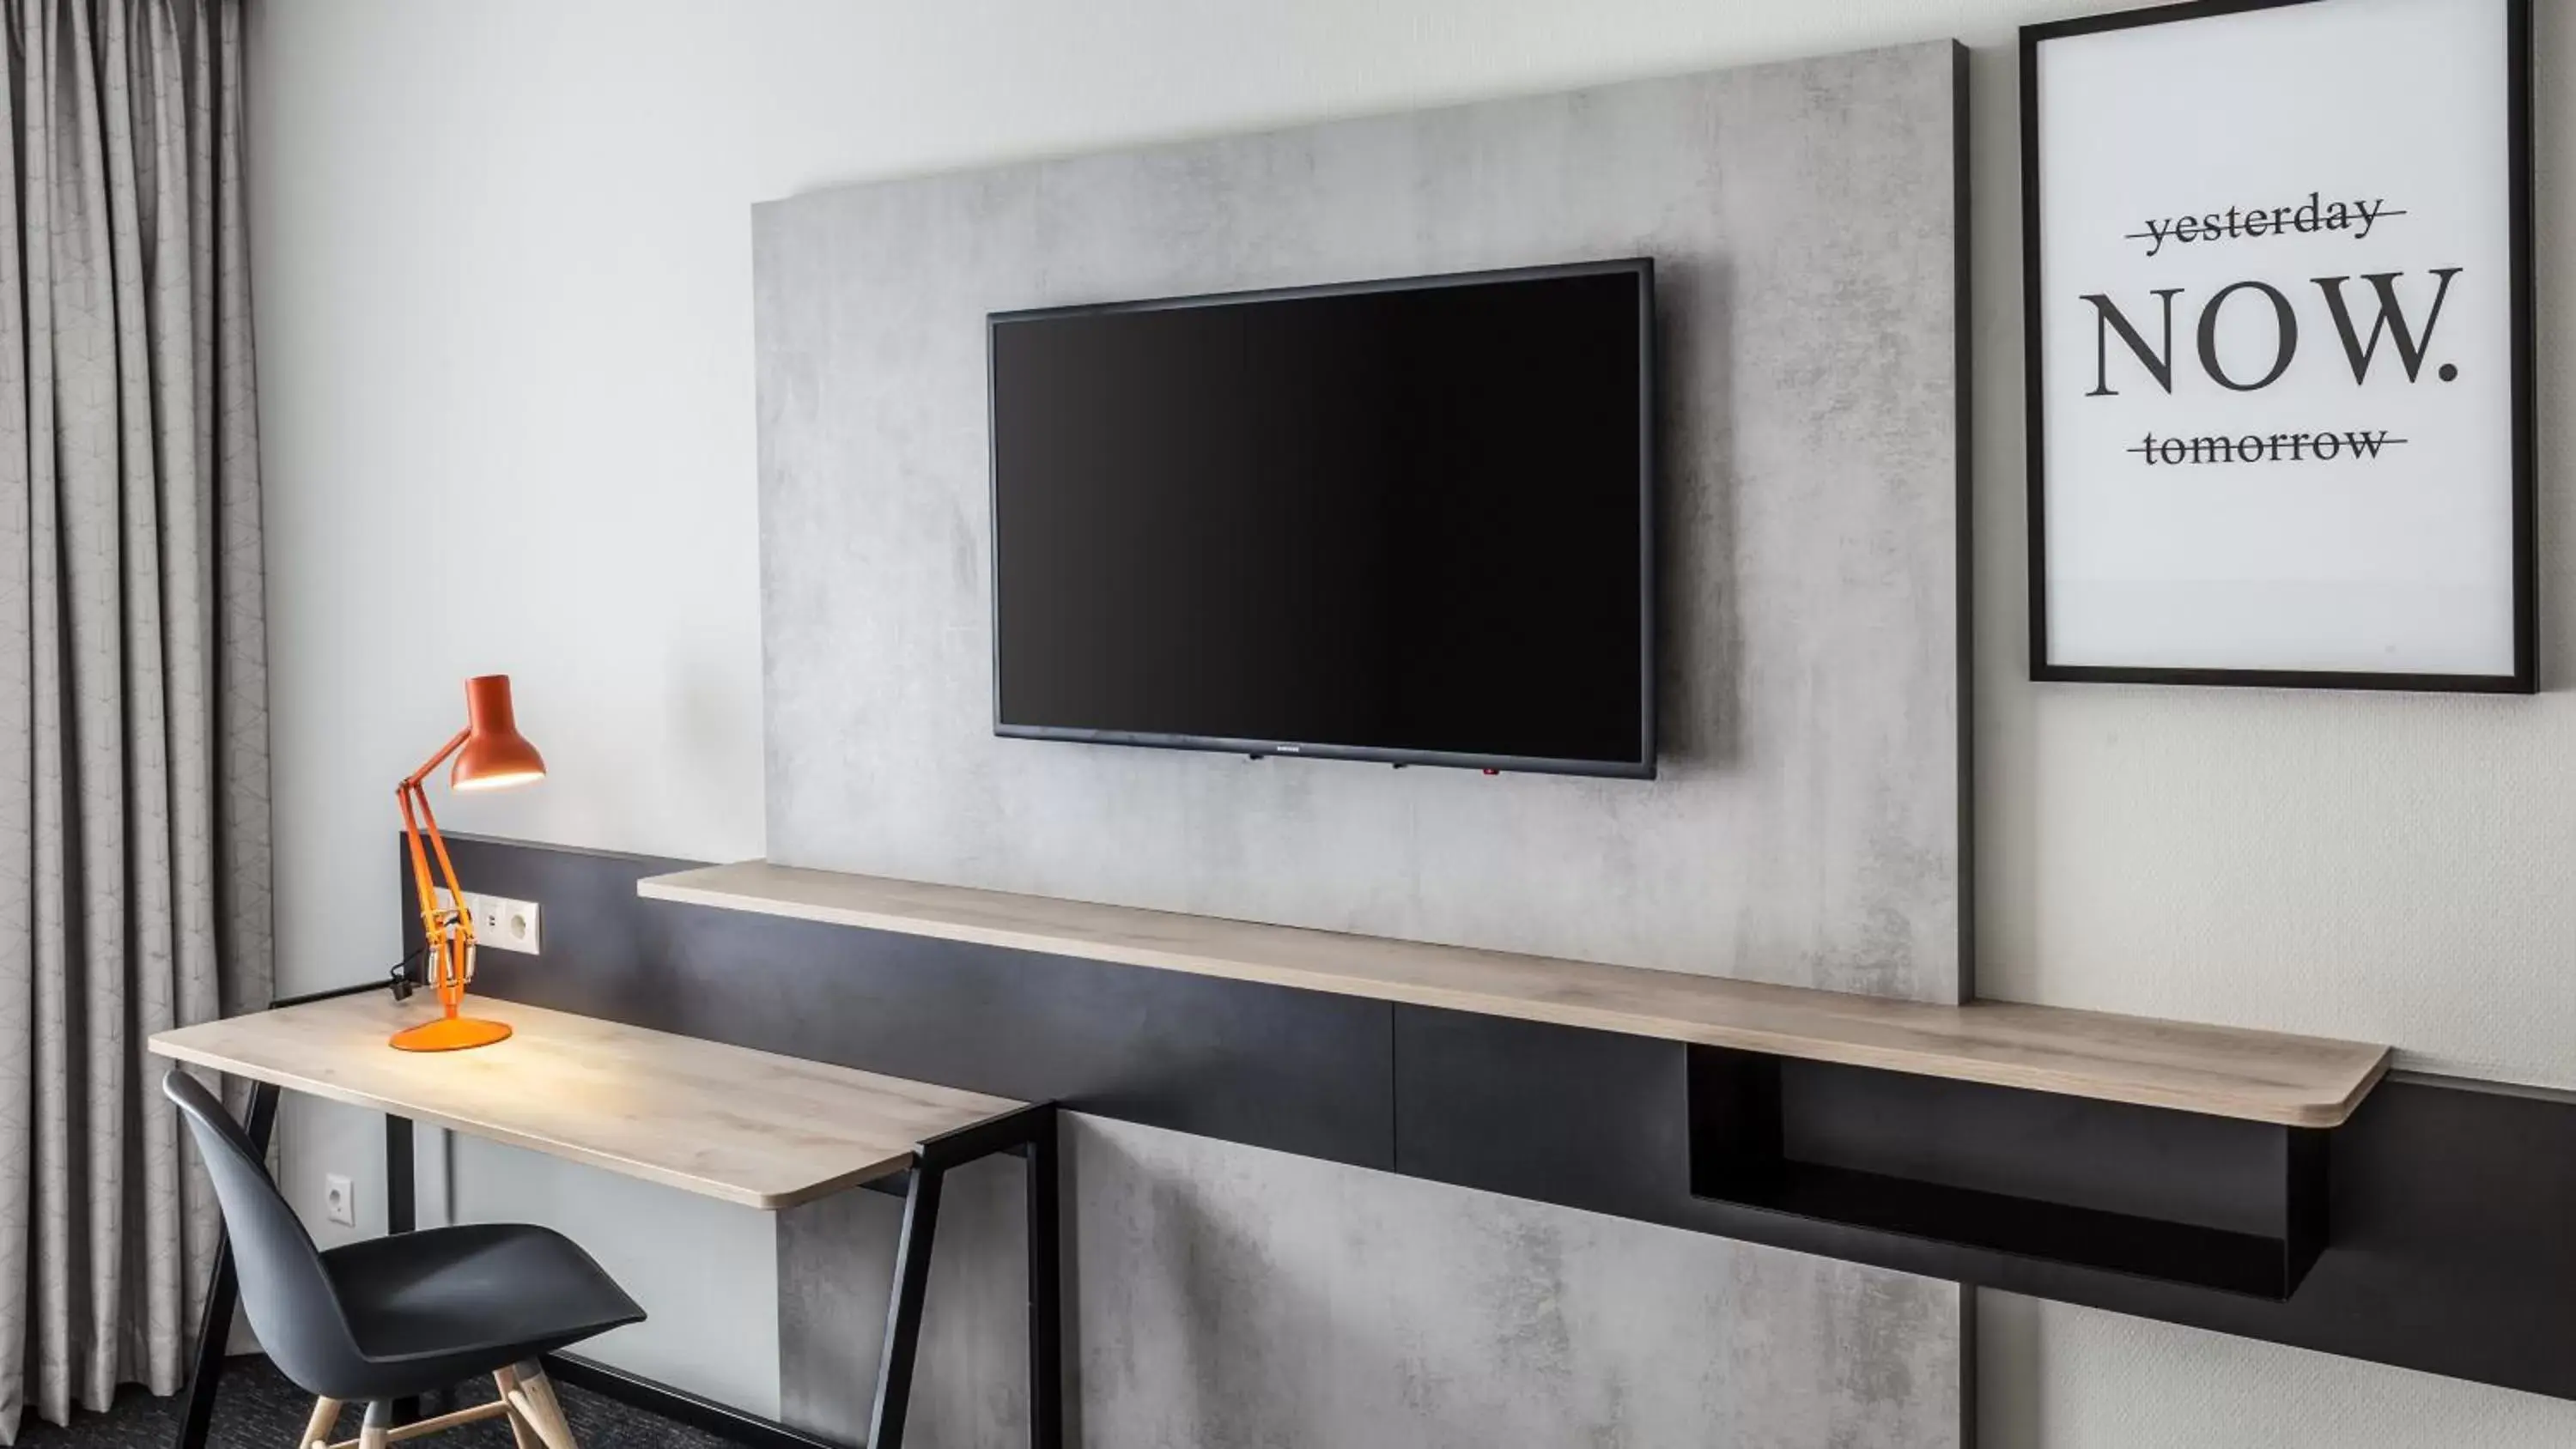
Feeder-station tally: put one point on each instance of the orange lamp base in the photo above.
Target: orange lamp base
(450, 1034)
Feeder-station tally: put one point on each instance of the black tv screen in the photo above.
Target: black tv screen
(1407, 521)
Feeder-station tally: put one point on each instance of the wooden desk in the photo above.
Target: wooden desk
(747, 1127)
(727, 1122)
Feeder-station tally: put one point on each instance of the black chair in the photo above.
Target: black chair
(401, 1316)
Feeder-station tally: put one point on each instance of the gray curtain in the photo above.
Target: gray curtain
(133, 675)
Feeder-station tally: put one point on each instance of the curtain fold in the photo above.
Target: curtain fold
(133, 675)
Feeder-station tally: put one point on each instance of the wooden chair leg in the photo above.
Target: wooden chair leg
(380, 1423)
(317, 1430)
(535, 1399)
(522, 1434)
(542, 1389)
(392, 1433)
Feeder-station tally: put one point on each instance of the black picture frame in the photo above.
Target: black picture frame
(2524, 677)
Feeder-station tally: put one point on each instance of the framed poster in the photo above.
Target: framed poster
(2277, 272)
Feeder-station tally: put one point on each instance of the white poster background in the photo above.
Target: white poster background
(2399, 565)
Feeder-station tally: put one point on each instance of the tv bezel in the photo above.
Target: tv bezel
(1641, 768)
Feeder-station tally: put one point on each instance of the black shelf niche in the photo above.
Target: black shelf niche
(2211, 1202)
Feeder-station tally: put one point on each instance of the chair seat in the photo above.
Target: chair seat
(428, 1309)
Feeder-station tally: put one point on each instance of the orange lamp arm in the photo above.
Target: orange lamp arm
(450, 934)
(417, 778)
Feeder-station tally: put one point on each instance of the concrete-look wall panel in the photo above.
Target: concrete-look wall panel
(1806, 827)
(835, 1275)
(1227, 1297)
(1231, 1298)
(1807, 824)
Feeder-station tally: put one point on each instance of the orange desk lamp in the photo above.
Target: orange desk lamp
(490, 754)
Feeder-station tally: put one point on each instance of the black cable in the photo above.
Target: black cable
(404, 981)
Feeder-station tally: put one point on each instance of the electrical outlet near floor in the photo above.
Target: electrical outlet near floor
(339, 1200)
(500, 922)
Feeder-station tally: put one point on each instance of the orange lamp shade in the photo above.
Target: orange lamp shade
(495, 756)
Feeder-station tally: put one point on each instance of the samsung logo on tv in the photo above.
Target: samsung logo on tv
(1285, 749)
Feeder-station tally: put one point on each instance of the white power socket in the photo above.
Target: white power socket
(499, 922)
(339, 1200)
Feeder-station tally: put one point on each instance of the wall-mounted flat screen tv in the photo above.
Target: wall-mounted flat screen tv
(1406, 521)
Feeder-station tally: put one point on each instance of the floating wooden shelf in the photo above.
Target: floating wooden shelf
(2254, 1076)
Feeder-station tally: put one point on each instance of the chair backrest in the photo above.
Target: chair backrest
(284, 1287)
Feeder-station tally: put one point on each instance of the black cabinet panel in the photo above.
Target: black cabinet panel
(1588, 1119)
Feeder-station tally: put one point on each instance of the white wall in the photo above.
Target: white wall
(502, 272)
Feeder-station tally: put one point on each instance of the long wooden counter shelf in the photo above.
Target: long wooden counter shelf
(2254, 1076)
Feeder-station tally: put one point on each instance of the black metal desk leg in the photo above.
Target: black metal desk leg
(400, 1214)
(399, 1193)
(903, 1318)
(1046, 1308)
(215, 1327)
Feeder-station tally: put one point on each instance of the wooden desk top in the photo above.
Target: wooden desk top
(745, 1126)
(2296, 1081)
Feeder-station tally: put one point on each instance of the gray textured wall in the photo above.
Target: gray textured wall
(1807, 826)
(1225, 1297)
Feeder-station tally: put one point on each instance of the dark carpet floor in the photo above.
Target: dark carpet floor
(259, 1409)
